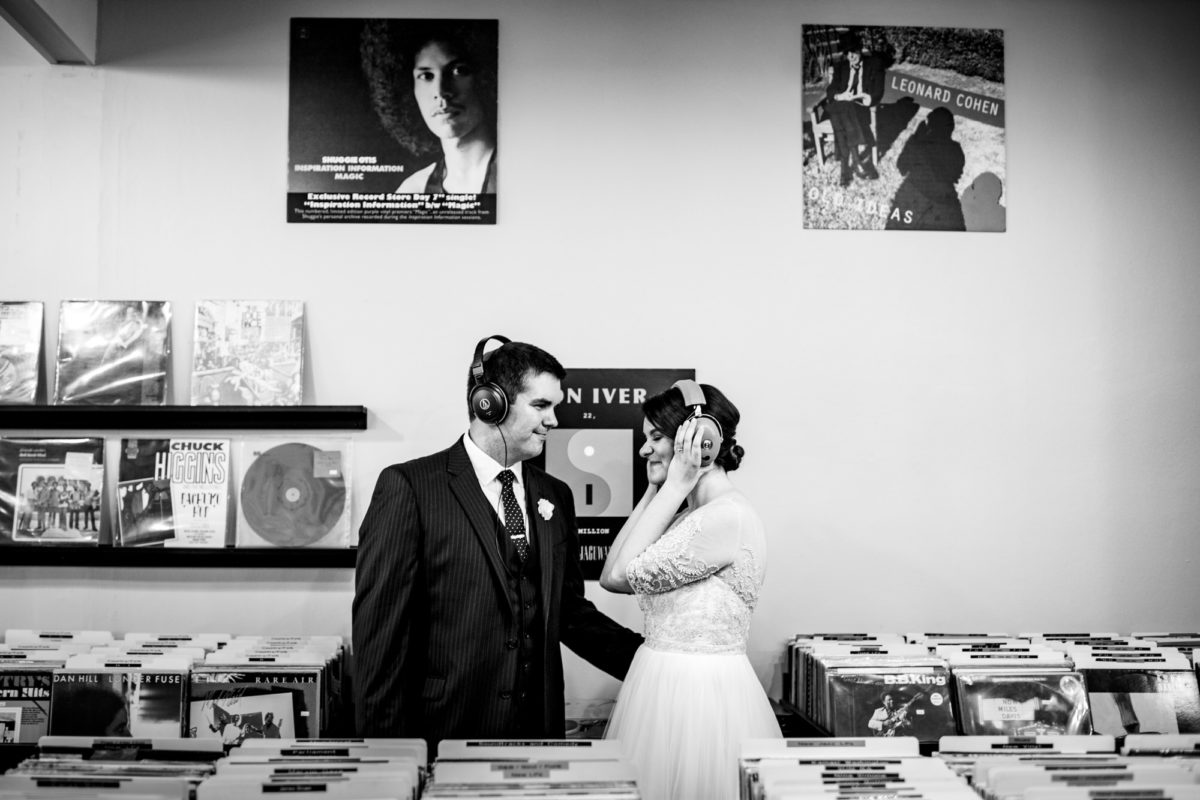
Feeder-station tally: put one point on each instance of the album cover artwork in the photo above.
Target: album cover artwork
(235, 719)
(24, 703)
(373, 107)
(20, 351)
(113, 352)
(1127, 700)
(1020, 702)
(51, 491)
(236, 703)
(294, 493)
(594, 450)
(248, 353)
(904, 128)
(868, 702)
(141, 703)
(173, 493)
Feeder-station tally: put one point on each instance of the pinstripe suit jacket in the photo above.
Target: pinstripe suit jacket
(433, 629)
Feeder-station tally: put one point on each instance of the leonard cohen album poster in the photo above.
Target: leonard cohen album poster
(393, 120)
(594, 450)
(903, 128)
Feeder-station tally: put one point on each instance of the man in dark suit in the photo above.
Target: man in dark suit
(468, 575)
(857, 86)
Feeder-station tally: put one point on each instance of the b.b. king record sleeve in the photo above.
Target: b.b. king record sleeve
(866, 701)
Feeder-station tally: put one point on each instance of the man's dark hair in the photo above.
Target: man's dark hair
(510, 365)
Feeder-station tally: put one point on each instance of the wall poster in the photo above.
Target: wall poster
(903, 128)
(594, 450)
(392, 120)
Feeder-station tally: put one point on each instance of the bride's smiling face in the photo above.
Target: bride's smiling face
(658, 451)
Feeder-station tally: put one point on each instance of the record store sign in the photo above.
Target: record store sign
(595, 450)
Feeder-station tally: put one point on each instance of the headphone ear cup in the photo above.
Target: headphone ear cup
(489, 403)
(709, 431)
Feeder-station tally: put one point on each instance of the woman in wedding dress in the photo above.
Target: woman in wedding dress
(691, 696)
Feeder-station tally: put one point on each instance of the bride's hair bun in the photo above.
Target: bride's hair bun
(730, 457)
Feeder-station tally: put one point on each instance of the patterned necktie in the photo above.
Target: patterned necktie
(514, 520)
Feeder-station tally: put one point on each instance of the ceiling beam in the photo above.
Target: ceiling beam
(63, 31)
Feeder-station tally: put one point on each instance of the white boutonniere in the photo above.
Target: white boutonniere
(545, 508)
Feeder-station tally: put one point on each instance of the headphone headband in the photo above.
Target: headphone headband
(693, 395)
(477, 361)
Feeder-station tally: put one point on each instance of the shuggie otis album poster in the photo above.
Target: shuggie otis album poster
(392, 120)
(904, 128)
(595, 450)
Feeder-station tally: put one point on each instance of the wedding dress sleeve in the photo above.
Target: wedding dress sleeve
(698, 545)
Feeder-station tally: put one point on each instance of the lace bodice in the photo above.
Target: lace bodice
(698, 584)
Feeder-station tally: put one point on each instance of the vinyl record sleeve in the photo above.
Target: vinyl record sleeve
(20, 351)
(1020, 702)
(173, 493)
(24, 703)
(920, 702)
(113, 352)
(294, 492)
(248, 353)
(1126, 700)
(292, 695)
(51, 491)
(141, 703)
(57, 639)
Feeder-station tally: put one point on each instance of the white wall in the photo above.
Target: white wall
(943, 431)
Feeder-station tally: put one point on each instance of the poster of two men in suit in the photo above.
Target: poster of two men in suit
(903, 128)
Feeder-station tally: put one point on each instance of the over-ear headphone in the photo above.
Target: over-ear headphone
(488, 401)
(709, 428)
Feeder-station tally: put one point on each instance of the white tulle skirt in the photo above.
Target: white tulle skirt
(681, 719)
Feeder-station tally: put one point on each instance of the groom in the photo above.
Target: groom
(468, 574)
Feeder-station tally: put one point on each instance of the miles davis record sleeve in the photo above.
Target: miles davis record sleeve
(1020, 702)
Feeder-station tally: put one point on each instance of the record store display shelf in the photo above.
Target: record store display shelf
(107, 418)
(96, 418)
(182, 557)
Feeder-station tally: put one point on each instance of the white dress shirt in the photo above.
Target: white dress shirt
(486, 471)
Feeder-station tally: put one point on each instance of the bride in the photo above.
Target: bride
(691, 695)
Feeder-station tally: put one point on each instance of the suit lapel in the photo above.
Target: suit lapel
(465, 486)
(543, 530)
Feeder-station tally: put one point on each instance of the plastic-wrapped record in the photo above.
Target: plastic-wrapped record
(285, 502)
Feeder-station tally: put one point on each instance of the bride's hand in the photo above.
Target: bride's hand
(685, 469)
